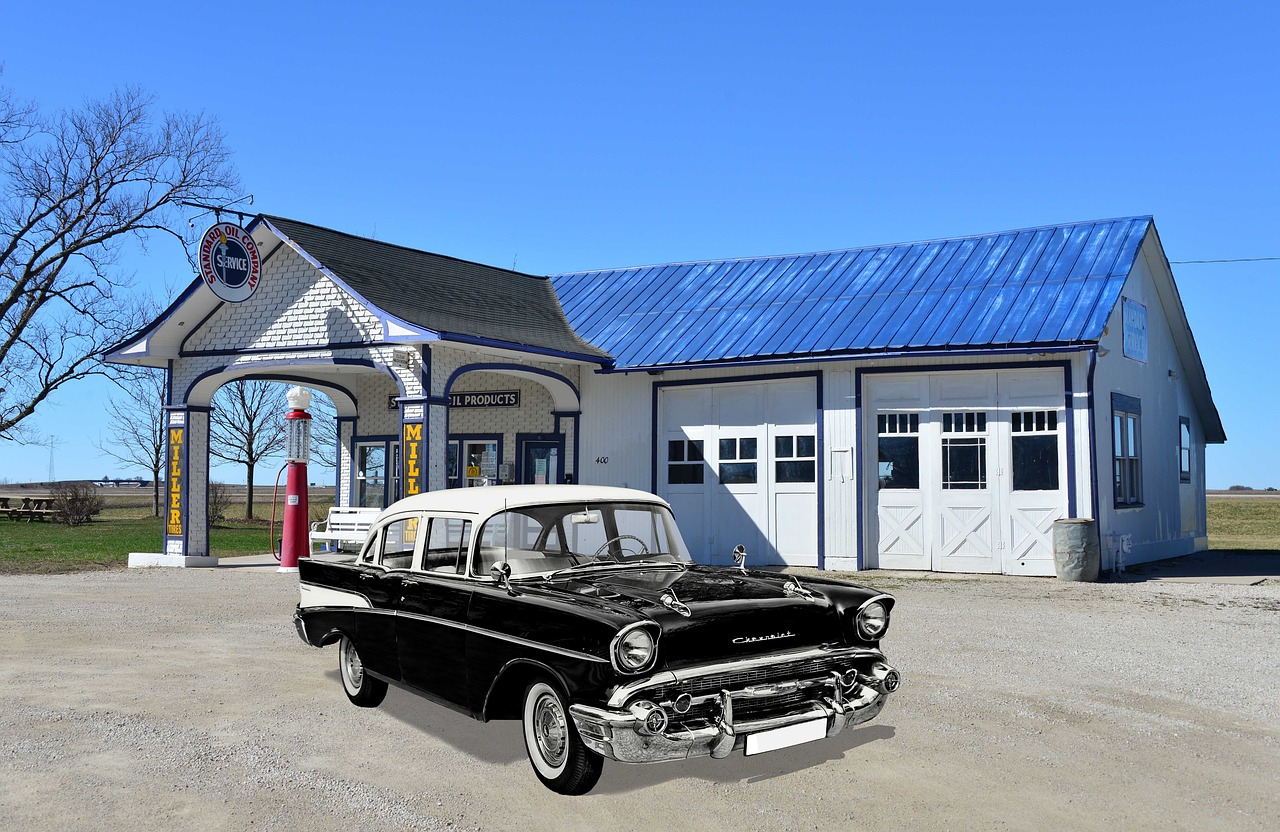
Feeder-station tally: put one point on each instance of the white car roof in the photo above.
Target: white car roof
(487, 500)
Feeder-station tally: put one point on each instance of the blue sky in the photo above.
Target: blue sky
(565, 136)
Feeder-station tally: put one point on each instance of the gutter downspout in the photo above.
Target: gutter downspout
(1093, 446)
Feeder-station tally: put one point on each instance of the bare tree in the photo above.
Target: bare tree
(324, 430)
(137, 435)
(76, 189)
(246, 425)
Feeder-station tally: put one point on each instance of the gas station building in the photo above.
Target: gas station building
(933, 405)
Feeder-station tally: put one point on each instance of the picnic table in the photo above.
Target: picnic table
(31, 508)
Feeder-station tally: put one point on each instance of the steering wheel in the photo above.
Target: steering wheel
(644, 550)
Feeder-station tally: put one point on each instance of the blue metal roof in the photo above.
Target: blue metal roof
(1048, 286)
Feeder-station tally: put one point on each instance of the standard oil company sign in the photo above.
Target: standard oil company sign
(229, 262)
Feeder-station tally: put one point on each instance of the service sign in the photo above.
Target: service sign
(229, 262)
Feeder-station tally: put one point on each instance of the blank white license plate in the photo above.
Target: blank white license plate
(786, 736)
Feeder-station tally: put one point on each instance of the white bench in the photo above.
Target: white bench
(344, 527)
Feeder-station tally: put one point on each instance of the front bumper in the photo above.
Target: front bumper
(627, 735)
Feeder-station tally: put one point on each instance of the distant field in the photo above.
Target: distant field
(1244, 522)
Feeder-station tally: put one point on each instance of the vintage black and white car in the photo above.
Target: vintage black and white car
(577, 610)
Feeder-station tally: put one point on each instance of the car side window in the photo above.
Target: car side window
(398, 540)
(447, 544)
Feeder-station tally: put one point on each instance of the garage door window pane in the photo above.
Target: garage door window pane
(964, 463)
(728, 449)
(899, 462)
(794, 459)
(1035, 450)
(1035, 463)
(684, 462)
(899, 450)
(737, 473)
(796, 471)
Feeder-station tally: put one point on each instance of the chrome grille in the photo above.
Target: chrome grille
(743, 678)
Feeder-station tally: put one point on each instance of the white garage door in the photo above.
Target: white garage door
(738, 463)
(969, 470)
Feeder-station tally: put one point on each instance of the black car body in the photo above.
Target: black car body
(577, 610)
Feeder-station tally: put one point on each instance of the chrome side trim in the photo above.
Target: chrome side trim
(315, 595)
(667, 677)
(524, 642)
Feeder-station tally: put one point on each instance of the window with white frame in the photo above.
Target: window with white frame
(1126, 449)
(1184, 449)
(1035, 450)
(898, 446)
(795, 458)
(685, 462)
(738, 461)
(964, 450)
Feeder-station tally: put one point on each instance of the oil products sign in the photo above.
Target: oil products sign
(229, 262)
(486, 398)
(176, 474)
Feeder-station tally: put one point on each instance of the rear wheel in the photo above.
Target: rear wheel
(560, 759)
(361, 688)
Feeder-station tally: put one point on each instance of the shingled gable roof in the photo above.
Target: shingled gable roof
(457, 299)
(1037, 287)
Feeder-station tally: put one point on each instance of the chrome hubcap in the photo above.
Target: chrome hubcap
(550, 729)
(352, 665)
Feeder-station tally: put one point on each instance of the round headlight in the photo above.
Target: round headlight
(634, 649)
(873, 620)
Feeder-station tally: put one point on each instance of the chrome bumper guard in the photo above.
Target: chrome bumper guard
(623, 735)
(300, 626)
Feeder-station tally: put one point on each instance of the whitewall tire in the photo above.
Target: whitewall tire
(559, 757)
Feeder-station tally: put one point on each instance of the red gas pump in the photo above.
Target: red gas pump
(295, 543)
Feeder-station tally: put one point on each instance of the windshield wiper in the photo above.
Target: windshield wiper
(616, 563)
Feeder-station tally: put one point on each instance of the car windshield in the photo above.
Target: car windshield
(538, 540)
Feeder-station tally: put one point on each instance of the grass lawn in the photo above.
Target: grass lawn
(107, 541)
(1244, 523)
(1234, 523)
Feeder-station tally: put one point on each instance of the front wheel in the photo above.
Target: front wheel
(557, 753)
(361, 688)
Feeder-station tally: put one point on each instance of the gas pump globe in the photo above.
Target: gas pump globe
(294, 542)
(298, 423)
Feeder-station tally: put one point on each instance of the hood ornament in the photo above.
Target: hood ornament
(669, 600)
(740, 557)
(794, 588)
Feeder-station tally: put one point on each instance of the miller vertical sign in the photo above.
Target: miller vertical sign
(412, 475)
(175, 511)
(229, 262)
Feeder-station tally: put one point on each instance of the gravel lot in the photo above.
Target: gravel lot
(162, 699)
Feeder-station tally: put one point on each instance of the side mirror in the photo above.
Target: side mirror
(740, 557)
(501, 572)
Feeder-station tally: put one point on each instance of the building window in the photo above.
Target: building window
(1126, 435)
(738, 461)
(1184, 449)
(899, 449)
(964, 450)
(1035, 450)
(684, 462)
(795, 458)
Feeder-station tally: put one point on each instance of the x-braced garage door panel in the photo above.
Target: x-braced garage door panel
(738, 463)
(966, 471)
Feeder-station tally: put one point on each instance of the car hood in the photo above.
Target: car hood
(730, 613)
